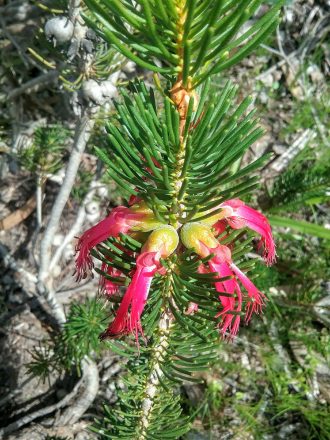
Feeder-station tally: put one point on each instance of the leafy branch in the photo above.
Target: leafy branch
(174, 156)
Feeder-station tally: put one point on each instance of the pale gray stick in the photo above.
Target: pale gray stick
(74, 230)
(83, 131)
(34, 84)
(39, 201)
(41, 412)
(298, 145)
(82, 134)
(91, 382)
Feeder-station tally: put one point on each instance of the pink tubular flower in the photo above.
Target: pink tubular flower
(109, 287)
(238, 215)
(120, 220)
(199, 236)
(127, 319)
(232, 303)
(256, 298)
(161, 243)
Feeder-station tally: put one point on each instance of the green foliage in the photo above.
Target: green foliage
(192, 38)
(78, 339)
(271, 393)
(132, 417)
(285, 401)
(300, 226)
(305, 182)
(309, 261)
(41, 366)
(46, 152)
(80, 335)
(306, 109)
(142, 137)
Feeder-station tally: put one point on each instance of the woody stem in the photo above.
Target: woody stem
(180, 95)
(152, 382)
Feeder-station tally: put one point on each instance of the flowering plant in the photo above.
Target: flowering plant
(161, 243)
(175, 259)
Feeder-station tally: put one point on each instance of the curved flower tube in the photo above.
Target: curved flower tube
(120, 220)
(239, 215)
(160, 244)
(128, 315)
(232, 305)
(226, 288)
(228, 303)
(200, 237)
(256, 298)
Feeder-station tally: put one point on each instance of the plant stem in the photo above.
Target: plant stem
(25, 420)
(152, 381)
(75, 228)
(39, 201)
(82, 134)
(90, 378)
(35, 84)
(83, 131)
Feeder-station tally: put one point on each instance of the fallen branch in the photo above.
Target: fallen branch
(298, 145)
(41, 412)
(34, 85)
(82, 135)
(91, 382)
(19, 215)
(75, 229)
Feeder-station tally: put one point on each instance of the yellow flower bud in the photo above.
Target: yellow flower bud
(164, 239)
(195, 235)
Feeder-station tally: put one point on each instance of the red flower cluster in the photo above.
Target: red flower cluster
(162, 241)
(202, 238)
